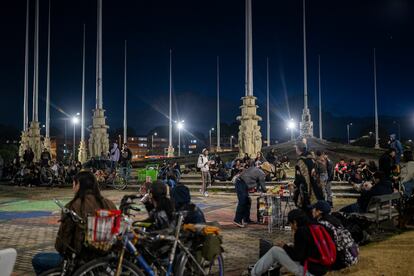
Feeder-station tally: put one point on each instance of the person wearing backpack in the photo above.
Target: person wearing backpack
(347, 248)
(307, 189)
(305, 256)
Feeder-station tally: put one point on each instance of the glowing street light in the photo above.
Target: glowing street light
(291, 125)
(75, 121)
(180, 126)
(152, 140)
(231, 142)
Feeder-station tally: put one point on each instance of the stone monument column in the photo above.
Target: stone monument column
(98, 139)
(306, 124)
(250, 137)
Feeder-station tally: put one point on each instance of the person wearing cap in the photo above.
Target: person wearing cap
(252, 177)
(204, 165)
(381, 186)
(307, 190)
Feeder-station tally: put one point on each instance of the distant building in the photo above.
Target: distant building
(139, 147)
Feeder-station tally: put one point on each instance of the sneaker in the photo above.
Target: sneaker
(206, 194)
(250, 222)
(238, 224)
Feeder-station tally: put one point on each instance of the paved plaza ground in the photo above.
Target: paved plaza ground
(29, 223)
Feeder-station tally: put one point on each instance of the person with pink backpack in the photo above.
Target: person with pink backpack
(313, 251)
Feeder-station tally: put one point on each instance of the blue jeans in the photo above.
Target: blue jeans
(42, 262)
(244, 202)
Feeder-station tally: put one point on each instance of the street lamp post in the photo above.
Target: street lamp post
(231, 142)
(209, 135)
(399, 129)
(75, 121)
(152, 141)
(347, 129)
(180, 125)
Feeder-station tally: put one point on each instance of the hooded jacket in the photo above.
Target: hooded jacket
(115, 153)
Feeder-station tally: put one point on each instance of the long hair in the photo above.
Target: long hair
(87, 185)
(159, 195)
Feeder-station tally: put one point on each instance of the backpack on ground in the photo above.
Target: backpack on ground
(346, 248)
(325, 245)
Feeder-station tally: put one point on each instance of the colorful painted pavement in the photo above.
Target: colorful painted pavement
(29, 223)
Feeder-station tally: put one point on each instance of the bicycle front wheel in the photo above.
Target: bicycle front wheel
(119, 182)
(186, 266)
(107, 266)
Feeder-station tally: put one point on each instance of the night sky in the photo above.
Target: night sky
(343, 32)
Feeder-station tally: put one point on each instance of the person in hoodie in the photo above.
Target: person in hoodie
(114, 156)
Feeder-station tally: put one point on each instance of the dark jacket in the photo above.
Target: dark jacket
(385, 164)
(126, 157)
(303, 248)
(382, 188)
(71, 236)
(307, 189)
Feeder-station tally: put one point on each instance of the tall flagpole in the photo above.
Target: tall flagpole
(305, 71)
(99, 104)
(26, 74)
(218, 105)
(35, 110)
(48, 81)
(170, 147)
(377, 146)
(320, 97)
(249, 50)
(268, 102)
(83, 87)
(125, 95)
(82, 153)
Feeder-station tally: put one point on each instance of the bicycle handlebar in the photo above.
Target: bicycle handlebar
(73, 215)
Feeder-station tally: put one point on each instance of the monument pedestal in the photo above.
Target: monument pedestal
(306, 125)
(250, 137)
(24, 143)
(47, 145)
(34, 140)
(82, 154)
(98, 140)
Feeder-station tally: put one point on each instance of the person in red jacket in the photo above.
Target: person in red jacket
(340, 170)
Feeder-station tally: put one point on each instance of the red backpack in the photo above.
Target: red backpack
(325, 245)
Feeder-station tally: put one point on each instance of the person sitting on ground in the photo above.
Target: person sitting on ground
(259, 159)
(250, 178)
(294, 257)
(160, 208)
(347, 249)
(271, 156)
(237, 168)
(352, 168)
(87, 201)
(182, 202)
(380, 186)
(246, 159)
(307, 190)
(407, 184)
(285, 162)
(340, 169)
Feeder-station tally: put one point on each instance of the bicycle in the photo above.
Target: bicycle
(136, 243)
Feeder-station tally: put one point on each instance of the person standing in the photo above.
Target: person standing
(328, 187)
(307, 190)
(114, 156)
(28, 156)
(396, 145)
(322, 173)
(204, 165)
(252, 177)
(125, 161)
